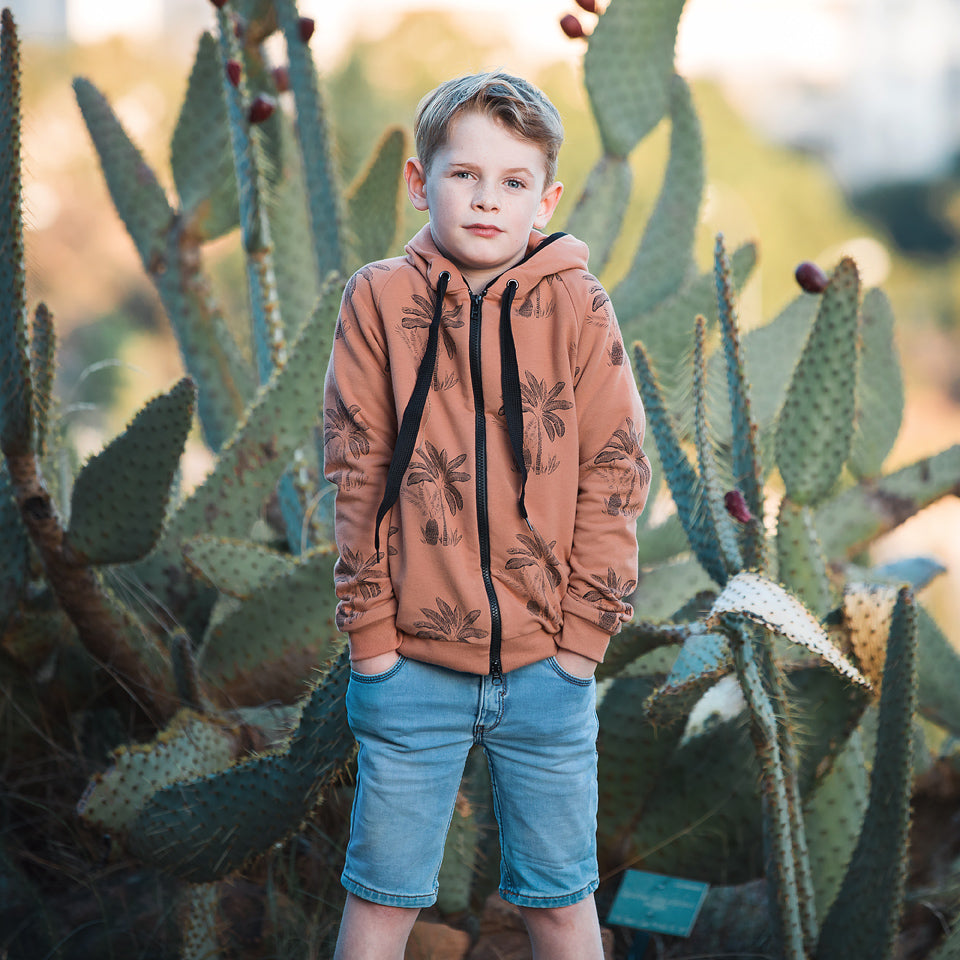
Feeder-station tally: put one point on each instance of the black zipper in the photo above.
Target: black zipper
(483, 517)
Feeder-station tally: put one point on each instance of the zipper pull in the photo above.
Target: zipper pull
(496, 672)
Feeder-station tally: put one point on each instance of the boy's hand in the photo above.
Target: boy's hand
(575, 664)
(381, 663)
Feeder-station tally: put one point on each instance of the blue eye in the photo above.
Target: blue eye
(515, 184)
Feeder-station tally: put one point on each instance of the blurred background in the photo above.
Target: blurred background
(831, 127)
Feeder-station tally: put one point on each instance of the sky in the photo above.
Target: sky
(800, 36)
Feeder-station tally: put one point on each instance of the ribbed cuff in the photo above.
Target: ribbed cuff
(371, 641)
(583, 637)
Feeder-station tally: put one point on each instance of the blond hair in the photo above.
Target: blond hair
(520, 106)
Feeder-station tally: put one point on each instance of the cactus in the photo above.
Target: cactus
(202, 611)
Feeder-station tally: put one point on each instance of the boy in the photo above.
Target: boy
(484, 431)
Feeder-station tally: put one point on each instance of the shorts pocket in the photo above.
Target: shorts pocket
(569, 677)
(378, 677)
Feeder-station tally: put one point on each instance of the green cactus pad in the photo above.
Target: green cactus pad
(801, 566)
(191, 746)
(138, 196)
(284, 413)
(815, 427)
(833, 815)
(207, 828)
(170, 255)
(323, 189)
(938, 673)
(460, 853)
(200, 155)
(234, 567)
(199, 911)
(685, 485)
(637, 639)
(120, 497)
(663, 263)
(879, 388)
(373, 201)
(767, 603)
(598, 215)
(15, 555)
(664, 588)
(43, 347)
(712, 508)
(293, 262)
(865, 916)
(701, 819)
(745, 455)
(16, 391)
(703, 659)
(632, 753)
(851, 520)
(268, 646)
(628, 69)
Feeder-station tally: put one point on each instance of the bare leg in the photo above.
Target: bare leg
(372, 931)
(564, 933)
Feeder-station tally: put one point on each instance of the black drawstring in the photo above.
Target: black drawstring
(412, 415)
(510, 386)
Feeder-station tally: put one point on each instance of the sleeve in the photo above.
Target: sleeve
(614, 481)
(359, 432)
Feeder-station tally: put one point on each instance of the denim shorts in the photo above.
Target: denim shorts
(415, 724)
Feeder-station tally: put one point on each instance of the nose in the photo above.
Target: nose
(485, 197)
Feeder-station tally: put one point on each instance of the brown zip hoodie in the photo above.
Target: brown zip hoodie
(499, 438)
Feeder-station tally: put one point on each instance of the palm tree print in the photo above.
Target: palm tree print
(434, 467)
(610, 590)
(536, 553)
(363, 574)
(420, 316)
(542, 405)
(341, 427)
(448, 623)
(625, 444)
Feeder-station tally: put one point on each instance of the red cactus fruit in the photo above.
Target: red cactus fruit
(306, 26)
(233, 71)
(810, 277)
(589, 5)
(261, 108)
(736, 506)
(571, 26)
(219, 4)
(281, 77)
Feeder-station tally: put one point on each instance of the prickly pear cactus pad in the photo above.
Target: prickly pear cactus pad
(204, 829)
(628, 67)
(768, 604)
(191, 746)
(120, 497)
(16, 399)
(816, 423)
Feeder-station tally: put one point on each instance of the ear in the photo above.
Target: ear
(416, 179)
(548, 203)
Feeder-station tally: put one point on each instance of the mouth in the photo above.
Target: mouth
(482, 229)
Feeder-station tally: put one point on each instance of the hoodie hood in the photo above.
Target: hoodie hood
(546, 254)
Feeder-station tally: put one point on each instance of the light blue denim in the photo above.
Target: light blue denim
(415, 725)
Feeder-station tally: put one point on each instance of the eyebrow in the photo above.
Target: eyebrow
(513, 171)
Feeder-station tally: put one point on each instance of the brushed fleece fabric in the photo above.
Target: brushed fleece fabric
(462, 578)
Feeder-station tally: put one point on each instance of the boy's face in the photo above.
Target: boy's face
(485, 191)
